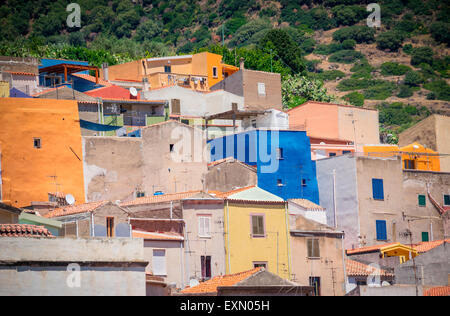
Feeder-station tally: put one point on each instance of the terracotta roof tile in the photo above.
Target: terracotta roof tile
(428, 245)
(169, 236)
(21, 73)
(111, 92)
(160, 198)
(211, 286)
(355, 268)
(307, 204)
(223, 195)
(75, 209)
(369, 248)
(437, 291)
(22, 230)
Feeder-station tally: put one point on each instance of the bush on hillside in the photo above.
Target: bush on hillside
(440, 88)
(354, 98)
(361, 34)
(391, 40)
(405, 91)
(413, 78)
(422, 54)
(393, 69)
(380, 91)
(440, 31)
(345, 56)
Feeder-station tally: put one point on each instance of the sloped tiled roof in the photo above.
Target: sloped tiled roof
(255, 194)
(75, 209)
(111, 92)
(160, 198)
(22, 230)
(355, 268)
(428, 245)
(437, 291)
(307, 204)
(223, 195)
(369, 248)
(168, 236)
(211, 286)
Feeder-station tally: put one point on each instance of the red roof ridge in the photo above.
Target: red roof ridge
(24, 230)
(75, 209)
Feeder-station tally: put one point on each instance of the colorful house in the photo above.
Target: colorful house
(256, 231)
(283, 160)
(199, 71)
(414, 156)
(41, 148)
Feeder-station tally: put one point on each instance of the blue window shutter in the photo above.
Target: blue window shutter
(381, 230)
(377, 189)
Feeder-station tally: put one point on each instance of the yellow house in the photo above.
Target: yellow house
(414, 156)
(198, 71)
(256, 231)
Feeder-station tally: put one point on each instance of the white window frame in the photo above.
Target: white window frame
(261, 89)
(162, 271)
(202, 231)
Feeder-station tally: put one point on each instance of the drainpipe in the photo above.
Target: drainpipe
(343, 262)
(228, 238)
(334, 198)
(171, 207)
(92, 225)
(286, 215)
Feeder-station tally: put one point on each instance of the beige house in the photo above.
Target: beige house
(9, 214)
(434, 133)
(229, 174)
(204, 235)
(336, 121)
(169, 157)
(317, 256)
(376, 202)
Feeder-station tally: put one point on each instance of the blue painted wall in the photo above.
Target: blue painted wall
(296, 164)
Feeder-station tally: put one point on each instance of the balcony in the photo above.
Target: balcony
(163, 79)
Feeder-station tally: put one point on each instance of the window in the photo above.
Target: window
(332, 155)
(204, 226)
(425, 236)
(377, 189)
(279, 182)
(447, 200)
(206, 267)
(110, 226)
(37, 143)
(167, 69)
(185, 122)
(313, 248)
(409, 164)
(171, 147)
(261, 89)
(315, 282)
(344, 152)
(381, 230)
(262, 264)
(159, 262)
(254, 123)
(215, 72)
(258, 226)
(303, 182)
(140, 194)
(280, 153)
(422, 200)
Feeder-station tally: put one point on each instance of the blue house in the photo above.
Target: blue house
(283, 160)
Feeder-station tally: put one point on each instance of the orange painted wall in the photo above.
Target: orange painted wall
(26, 170)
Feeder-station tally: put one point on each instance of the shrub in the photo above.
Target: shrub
(331, 75)
(348, 15)
(407, 49)
(440, 31)
(380, 91)
(393, 114)
(422, 55)
(362, 65)
(361, 34)
(440, 88)
(431, 96)
(345, 56)
(405, 92)
(311, 65)
(354, 98)
(413, 78)
(391, 40)
(348, 44)
(393, 69)
(358, 84)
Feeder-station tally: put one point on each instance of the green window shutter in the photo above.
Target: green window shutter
(446, 199)
(425, 236)
(422, 200)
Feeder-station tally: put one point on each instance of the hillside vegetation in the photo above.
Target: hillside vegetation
(323, 48)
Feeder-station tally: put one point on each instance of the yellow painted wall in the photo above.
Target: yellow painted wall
(26, 170)
(419, 155)
(4, 89)
(242, 250)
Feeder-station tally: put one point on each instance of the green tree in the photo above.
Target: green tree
(391, 40)
(298, 89)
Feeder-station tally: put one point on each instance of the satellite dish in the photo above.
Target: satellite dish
(70, 199)
(193, 282)
(133, 92)
(416, 147)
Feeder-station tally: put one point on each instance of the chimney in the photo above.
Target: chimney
(105, 71)
(242, 63)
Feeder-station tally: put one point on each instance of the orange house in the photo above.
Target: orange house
(199, 71)
(41, 150)
(414, 156)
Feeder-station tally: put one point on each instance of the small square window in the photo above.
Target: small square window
(167, 69)
(422, 200)
(261, 89)
(280, 153)
(260, 264)
(215, 72)
(447, 200)
(37, 142)
(303, 182)
(171, 147)
(332, 155)
(313, 248)
(258, 226)
(425, 237)
(279, 182)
